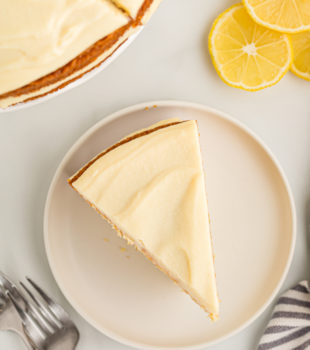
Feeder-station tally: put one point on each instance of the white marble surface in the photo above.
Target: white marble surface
(168, 60)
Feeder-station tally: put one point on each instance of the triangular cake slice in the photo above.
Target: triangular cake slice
(150, 187)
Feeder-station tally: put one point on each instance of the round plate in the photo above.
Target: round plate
(77, 82)
(120, 292)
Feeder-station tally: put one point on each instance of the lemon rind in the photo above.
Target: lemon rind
(299, 74)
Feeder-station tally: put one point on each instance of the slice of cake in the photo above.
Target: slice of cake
(150, 188)
(45, 45)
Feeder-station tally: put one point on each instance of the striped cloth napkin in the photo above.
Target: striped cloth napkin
(289, 327)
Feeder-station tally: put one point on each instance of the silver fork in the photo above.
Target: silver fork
(45, 323)
(9, 317)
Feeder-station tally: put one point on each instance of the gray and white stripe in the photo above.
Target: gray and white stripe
(289, 327)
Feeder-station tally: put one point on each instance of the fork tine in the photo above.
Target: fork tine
(3, 300)
(60, 314)
(22, 314)
(33, 314)
(43, 295)
(4, 281)
(48, 316)
(32, 329)
(29, 293)
(5, 277)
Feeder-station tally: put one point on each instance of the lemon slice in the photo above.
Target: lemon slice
(286, 16)
(301, 49)
(245, 54)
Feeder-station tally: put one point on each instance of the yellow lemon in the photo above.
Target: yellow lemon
(301, 49)
(286, 16)
(245, 54)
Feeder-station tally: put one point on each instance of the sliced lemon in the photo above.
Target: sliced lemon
(245, 54)
(286, 16)
(301, 49)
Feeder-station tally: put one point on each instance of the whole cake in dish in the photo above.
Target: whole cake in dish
(150, 187)
(45, 45)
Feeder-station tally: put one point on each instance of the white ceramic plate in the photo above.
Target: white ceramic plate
(120, 292)
(77, 82)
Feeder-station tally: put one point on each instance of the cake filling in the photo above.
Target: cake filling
(150, 187)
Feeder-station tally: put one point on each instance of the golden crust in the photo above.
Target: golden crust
(67, 82)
